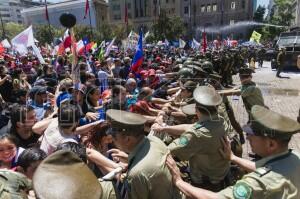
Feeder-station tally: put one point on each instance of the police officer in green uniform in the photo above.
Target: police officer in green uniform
(280, 61)
(63, 175)
(13, 185)
(250, 93)
(274, 176)
(200, 144)
(147, 174)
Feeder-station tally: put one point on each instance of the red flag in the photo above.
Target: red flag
(126, 13)
(2, 49)
(46, 11)
(204, 42)
(87, 8)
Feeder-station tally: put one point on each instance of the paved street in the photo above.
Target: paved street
(280, 94)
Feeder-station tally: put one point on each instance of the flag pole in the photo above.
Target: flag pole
(3, 30)
(92, 34)
(48, 20)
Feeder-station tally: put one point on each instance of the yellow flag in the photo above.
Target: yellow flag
(255, 37)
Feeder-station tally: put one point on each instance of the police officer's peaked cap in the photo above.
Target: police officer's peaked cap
(63, 175)
(189, 109)
(207, 96)
(123, 121)
(246, 71)
(271, 124)
(189, 85)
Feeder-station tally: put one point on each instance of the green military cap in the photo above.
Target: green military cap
(188, 62)
(271, 124)
(189, 109)
(197, 63)
(207, 96)
(185, 73)
(246, 71)
(63, 175)
(215, 76)
(14, 185)
(189, 85)
(208, 67)
(123, 121)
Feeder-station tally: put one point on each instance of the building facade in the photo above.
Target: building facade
(296, 12)
(98, 11)
(217, 16)
(141, 13)
(10, 10)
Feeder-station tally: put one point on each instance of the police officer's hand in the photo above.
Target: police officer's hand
(226, 150)
(91, 116)
(174, 170)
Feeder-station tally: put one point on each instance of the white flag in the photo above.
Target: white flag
(6, 43)
(147, 35)
(195, 44)
(37, 52)
(23, 40)
(181, 43)
(167, 43)
(109, 47)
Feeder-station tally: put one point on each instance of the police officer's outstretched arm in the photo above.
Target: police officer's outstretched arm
(188, 190)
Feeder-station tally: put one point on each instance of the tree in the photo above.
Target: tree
(169, 28)
(12, 29)
(259, 14)
(282, 15)
(44, 34)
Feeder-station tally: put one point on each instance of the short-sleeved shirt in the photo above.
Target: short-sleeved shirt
(53, 137)
(251, 96)
(276, 177)
(200, 146)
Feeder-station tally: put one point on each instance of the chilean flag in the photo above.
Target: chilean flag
(138, 57)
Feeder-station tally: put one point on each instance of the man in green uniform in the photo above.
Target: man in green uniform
(250, 93)
(280, 61)
(274, 176)
(13, 185)
(64, 175)
(200, 144)
(147, 174)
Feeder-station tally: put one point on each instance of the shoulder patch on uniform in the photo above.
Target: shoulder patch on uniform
(262, 171)
(242, 190)
(197, 126)
(183, 140)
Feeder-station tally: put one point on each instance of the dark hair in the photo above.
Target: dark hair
(145, 92)
(29, 156)
(68, 114)
(100, 132)
(76, 148)
(116, 90)
(207, 110)
(10, 137)
(18, 114)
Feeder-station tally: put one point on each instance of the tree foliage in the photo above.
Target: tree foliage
(170, 28)
(281, 15)
(12, 29)
(259, 14)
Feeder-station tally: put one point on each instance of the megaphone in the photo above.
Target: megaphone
(67, 20)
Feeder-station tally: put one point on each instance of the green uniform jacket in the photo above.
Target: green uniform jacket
(280, 59)
(276, 177)
(200, 146)
(148, 176)
(251, 96)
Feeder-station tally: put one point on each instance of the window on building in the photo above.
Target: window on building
(203, 8)
(173, 1)
(208, 8)
(231, 22)
(243, 4)
(129, 15)
(167, 1)
(116, 7)
(186, 10)
(117, 17)
(214, 7)
(19, 22)
(232, 5)
(5, 15)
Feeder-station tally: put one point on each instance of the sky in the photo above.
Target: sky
(259, 2)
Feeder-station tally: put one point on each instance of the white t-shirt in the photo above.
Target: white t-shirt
(52, 138)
